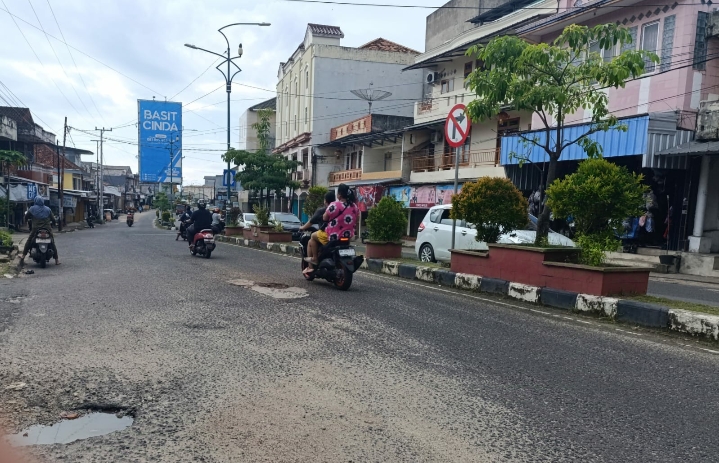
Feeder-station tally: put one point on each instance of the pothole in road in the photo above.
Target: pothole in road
(274, 290)
(66, 431)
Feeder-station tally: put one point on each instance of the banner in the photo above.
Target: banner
(425, 196)
(368, 196)
(159, 140)
(422, 196)
(401, 194)
(445, 193)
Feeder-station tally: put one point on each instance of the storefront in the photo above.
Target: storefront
(418, 199)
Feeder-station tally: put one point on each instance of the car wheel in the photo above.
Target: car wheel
(426, 253)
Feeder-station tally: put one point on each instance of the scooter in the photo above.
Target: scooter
(130, 219)
(183, 231)
(337, 262)
(41, 252)
(203, 244)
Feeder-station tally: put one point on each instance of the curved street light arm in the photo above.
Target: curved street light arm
(208, 51)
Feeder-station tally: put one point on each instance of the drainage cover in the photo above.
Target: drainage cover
(66, 431)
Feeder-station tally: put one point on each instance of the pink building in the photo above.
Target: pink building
(661, 110)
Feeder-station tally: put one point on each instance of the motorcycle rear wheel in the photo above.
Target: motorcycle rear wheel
(208, 254)
(344, 278)
(43, 262)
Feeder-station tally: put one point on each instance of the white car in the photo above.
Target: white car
(434, 237)
(246, 220)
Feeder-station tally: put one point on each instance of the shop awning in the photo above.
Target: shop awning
(693, 148)
(383, 181)
(426, 125)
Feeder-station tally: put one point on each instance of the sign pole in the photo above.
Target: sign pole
(456, 131)
(456, 178)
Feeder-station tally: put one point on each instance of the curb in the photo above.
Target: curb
(619, 310)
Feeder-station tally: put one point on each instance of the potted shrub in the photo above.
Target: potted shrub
(276, 234)
(599, 196)
(231, 227)
(261, 222)
(166, 218)
(386, 224)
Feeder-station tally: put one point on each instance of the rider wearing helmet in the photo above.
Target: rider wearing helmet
(216, 220)
(200, 220)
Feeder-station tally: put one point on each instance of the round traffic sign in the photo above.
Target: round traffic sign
(456, 128)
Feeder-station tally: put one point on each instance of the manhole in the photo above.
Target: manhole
(66, 431)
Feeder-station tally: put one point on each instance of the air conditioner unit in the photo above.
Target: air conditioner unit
(712, 27)
(432, 78)
(435, 137)
(708, 121)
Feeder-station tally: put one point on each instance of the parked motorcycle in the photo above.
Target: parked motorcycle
(41, 251)
(203, 244)
(337, 262)
(90, 222)
(130, 219)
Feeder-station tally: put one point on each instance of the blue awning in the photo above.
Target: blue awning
(614, 142)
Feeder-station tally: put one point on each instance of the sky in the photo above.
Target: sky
(120, 51)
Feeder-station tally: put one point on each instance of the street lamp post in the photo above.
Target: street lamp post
(228, 75)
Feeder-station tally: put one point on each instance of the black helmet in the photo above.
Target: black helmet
(201, 204)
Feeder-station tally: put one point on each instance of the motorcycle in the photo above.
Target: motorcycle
(203, 244)
(41, 252)
(130, 219)
(337, 262)
(183, 231)
(90, 222)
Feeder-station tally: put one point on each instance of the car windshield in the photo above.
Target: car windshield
(249, 217)
(287, 218)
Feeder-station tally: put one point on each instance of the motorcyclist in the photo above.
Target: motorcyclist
(216, 220)
(42, 217)
(183, 221)
(316, 219)
(200, 220)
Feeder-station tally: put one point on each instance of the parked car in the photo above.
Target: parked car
(290, 223)
(434, 236)
(246, 220)
(112, 212)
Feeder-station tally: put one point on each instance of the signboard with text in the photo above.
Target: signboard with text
(159, 140)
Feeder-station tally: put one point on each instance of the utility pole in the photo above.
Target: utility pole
(97, 172)
(61, 187)
(101, 203)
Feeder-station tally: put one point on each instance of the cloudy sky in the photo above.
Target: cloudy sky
(125, 50)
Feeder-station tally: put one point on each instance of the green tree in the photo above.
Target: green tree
(315, 199)
(387, 222)
(262, 170)
(8, 158)
(599, 196)
(492, 205)
(553, 81)
(161, 202)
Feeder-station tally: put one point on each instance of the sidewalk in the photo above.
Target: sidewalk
(680, 278)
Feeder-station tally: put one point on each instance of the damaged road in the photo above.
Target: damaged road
(237, 358)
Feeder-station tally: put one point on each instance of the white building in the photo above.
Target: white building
(314, 94)
(248, 135)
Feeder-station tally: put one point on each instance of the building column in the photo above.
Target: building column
(698, 242)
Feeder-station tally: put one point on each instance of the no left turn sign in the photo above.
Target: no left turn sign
(456, 128)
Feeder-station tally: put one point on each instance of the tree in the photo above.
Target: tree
(315, 199)
(263, 170)
(387, 222)
(492, 205)
(161, 202)
(554, 81)
(8, 158)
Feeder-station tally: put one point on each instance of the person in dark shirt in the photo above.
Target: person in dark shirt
(316, 219)
(200, 220)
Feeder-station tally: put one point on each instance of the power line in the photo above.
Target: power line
(41, 63)
(73, 62)
(476, 8)
(23, 105)
(58, 58)
(78, 50)
(195, 79)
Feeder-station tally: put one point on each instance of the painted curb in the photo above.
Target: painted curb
(620, 310)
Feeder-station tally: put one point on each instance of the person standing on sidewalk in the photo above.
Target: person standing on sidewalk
(42, 217)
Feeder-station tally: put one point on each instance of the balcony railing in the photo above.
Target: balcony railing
(301, 175)
(431, 163)
(345, 176)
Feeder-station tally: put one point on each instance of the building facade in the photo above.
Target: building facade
(248, 135)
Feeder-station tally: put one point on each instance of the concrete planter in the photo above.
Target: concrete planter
(256, 229)
(275, 237)
(555, 268)
(5, 249)
(247, 234)
(231, 231)
(383, 250)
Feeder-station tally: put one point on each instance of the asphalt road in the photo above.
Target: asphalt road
(219, 365)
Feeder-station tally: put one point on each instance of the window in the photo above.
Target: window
(700, 42)
(650, 36)
(467, 69)
(447, 86)
(295, 121)
(306, 116)
(307, 78)
(435, 215)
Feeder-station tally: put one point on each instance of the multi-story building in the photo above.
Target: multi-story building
(314, 94)
(248, 135)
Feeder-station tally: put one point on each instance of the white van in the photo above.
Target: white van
(434, 236)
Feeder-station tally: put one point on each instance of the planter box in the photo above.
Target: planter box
(247, 234)
(383, 250)
(6, 249)
(256, 229)
(275, 237)
(231, 231)
(555, 268)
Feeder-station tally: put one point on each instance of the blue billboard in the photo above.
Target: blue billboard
(160, 139)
